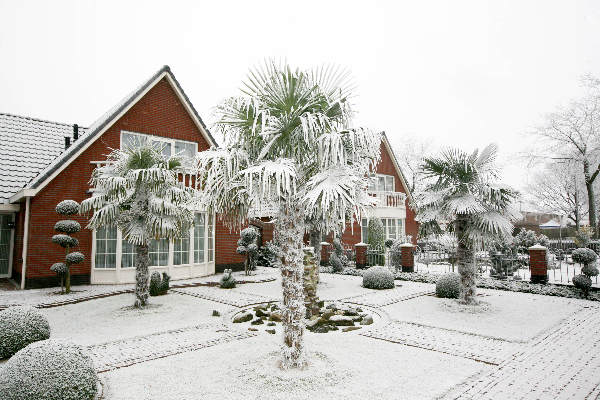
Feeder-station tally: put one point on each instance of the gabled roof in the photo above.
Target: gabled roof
(397, 167)
(106, 121)
(27, 146)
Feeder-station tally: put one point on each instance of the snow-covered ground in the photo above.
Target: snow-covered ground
(419, 347)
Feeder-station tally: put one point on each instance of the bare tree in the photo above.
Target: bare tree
(410, 154)
(572, 134)
(560, 188)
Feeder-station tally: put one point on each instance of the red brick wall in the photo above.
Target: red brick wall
(225, 246)
(159, 113)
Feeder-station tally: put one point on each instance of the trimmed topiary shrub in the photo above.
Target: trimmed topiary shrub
(248, 245)
(267, 254)
(582, 282)
(584, 256)
(448, 286)
(20, 326)
(396, 254)
(66, 228)
(378, 278)
(49, 370)
(158, 285)
(227, 280)
(338, 260)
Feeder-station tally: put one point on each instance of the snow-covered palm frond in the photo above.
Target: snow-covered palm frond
(270, 179)
(463, 204)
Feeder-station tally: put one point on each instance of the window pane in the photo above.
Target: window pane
(211, 248)
(159, 253)
(392, 229)
(389, 183)
(131, 140)
(181, 252)
(381, 183)
(106, 247)
(364, 230)
(128, 255)
(163, 147)
(199, 236)
(185, 149)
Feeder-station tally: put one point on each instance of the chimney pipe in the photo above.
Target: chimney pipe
(75, 132)
(67, 142)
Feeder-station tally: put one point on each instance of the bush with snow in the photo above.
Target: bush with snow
(75, 257)
(227, 280)
(49, 370)
(396, 253)
(248, 245)
(67, 226)
(378, 278)
(158, 285)
(67, 207)
(65, 240)
(584, 256)
(582, 282)
(20, 326)
(338, 260)
(448, 286)
(59, 268)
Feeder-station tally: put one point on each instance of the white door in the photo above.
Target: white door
(6, 234)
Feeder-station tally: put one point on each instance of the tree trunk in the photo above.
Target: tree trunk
(289, 229)
(315, 238)
(589, 185)
(466, 264)
(68, 277)
(142, 262)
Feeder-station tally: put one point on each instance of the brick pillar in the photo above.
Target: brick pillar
(361, 254)
(408, 258)
(537, 264)
(325, 252)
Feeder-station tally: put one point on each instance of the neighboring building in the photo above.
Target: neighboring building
(42, 163)
(531, 220)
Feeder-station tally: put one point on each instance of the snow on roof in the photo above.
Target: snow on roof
(550, 224)
(27, 146)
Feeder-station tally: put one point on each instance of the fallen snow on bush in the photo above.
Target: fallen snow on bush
(20, 326)
(378, 278)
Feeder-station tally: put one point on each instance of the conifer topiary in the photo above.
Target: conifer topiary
(65, 228)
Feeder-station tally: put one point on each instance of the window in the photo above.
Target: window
(382, 183)
(128, 254)
(211, 242)
(199, 233)
(168, 147)
(393, 228)
(106, 248)
(181, 250)
(159, 252)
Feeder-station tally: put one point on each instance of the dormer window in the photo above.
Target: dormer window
(168, 147)
(382, 183)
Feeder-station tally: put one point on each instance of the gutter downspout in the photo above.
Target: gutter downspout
(25, 241)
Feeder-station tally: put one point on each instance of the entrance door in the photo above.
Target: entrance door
(5, 244)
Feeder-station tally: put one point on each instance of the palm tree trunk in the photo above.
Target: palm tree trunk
(289, 229)
(315, 238)
(142, 262)
(466, 264)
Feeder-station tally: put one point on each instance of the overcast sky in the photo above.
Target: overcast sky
(462, 73)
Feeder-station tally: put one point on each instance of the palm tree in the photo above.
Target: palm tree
(289, 144)
(138, 191)
(462, 194)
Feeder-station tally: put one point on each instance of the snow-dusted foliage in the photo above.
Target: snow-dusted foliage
(526, 238)
(448, 286)
(20, 326)
(59, 268)
(67, 226)
(159, 285)
(138, 190)
(338, 260)
(582, 282)
(268, 254)
(462, 193)
(49, 370)
(378, 278)
(74, 258)
(248, 245)
(65, 240)
(396, 253)
(289, 144)
(375, 233)
(584, 256)
(67, 207)
(227, 280)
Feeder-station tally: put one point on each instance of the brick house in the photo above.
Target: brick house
(43, 162)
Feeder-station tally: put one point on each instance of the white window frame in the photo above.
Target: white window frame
(11, 245)
(171, 141)
(119, 250)
(375, 177)
(400, 231)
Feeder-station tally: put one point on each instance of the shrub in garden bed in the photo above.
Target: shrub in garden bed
(19, 327)
(158, 285)
(49, 370)
(378, 278)
(227, 280)
(448, 286)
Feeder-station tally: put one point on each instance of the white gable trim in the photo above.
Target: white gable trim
(388, 147)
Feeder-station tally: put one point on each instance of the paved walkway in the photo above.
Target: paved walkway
(562, 364)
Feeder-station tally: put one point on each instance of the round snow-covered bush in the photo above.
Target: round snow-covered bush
(227, 280)
(378, 278)
(65, 240)
(67, 207)
(590, 270)
(59, 268)
(584, 256)
(20, 326)
(582, 282)
(49, 370)
(67, 226)
(75, 257)
(448, 286)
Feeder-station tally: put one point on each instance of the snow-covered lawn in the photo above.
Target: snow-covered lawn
(419, 347)
(505, 315)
